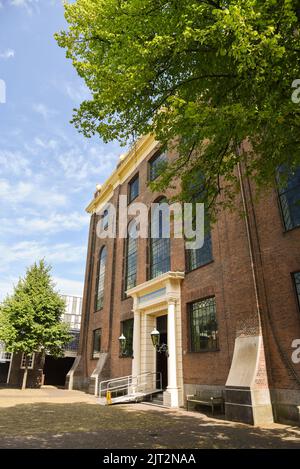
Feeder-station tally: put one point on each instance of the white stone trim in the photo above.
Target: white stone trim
(167, 301)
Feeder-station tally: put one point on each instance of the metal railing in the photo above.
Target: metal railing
(144, 383)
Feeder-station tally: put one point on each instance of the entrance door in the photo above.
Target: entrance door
(4, 368)
(56, 369)
(161, 357)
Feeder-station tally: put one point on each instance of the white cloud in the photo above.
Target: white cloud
(28, 252)
(79, 167)
(68, 287)
(26, 192)
(43, 110)
(50, 144)
(13, 162)
(77, 92)
(8, 53)
(64, 286)
(29, 5)
(6, 286)
(47, 223)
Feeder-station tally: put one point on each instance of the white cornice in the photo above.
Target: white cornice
(169, 280)
(137, 153)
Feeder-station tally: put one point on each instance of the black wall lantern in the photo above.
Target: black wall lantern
(160, 348)
(122, 341)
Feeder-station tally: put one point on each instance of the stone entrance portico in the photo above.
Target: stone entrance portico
(151, 299)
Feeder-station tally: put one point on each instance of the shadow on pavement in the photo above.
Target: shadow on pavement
(81, 425)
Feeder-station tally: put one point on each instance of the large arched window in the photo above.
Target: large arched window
(159, 245)
(130, 260)
(99, 296)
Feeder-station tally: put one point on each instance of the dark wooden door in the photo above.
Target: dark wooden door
(4, 367)
(161, 358)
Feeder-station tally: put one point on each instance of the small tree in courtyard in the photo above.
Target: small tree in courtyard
(30, 319)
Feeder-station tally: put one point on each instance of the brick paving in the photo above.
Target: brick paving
(57, 418)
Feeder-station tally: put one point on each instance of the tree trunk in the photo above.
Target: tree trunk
(42, 364)
(25, 376)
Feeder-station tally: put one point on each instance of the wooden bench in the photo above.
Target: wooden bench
(207, 398)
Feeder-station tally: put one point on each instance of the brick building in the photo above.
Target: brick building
(228, 312)
(53, 371)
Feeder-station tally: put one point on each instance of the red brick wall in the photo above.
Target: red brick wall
(229, 278)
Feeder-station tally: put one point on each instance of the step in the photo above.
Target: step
(155, 404)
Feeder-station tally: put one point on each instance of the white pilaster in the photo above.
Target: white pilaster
(172, 393)
(136, 362)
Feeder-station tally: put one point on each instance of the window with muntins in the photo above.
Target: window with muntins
(297, 285)
(289, 198)
(202, 256)
(203, 325)
(159, 244)
(133, 188)
(131, 257)
(99, 297)
(156, 164)
(198, 257)
(30, 361)
(96, 343)
(127, 331)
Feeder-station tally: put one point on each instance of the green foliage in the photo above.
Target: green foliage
(30, 319)
(205, 74)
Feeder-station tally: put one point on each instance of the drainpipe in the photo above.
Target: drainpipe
(284, 356)
(285, 359)
(113, 276)
(250, 244)
(88, 282)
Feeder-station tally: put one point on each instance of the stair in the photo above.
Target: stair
(156, 399)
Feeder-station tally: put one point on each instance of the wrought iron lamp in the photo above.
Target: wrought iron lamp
(160, 348)
(122, 341)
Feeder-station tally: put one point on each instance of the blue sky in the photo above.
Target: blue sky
(48, 171)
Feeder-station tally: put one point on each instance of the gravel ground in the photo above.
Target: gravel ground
(56, 418)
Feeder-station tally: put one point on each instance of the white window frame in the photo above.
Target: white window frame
(31, 359)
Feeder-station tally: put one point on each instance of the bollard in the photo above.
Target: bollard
(108, 398)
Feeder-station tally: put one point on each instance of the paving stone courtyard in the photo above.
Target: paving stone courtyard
(57, 418)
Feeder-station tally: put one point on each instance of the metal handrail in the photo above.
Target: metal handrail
(122, 378)
(136, 383)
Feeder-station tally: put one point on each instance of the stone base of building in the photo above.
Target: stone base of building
(286, 405)
(90, 384)
(172, 397)
(242, 406)
(79, 384)
(216, 390)
(247, 395)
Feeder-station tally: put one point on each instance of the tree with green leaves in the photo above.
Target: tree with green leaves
(31, 318)
(206, 75)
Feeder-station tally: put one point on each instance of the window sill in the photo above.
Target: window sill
(125, 297)
(126, 356)
(291, 229)
(200, 267)
(132, 200)
(204, 351)
(98, 310)
(95, 358)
